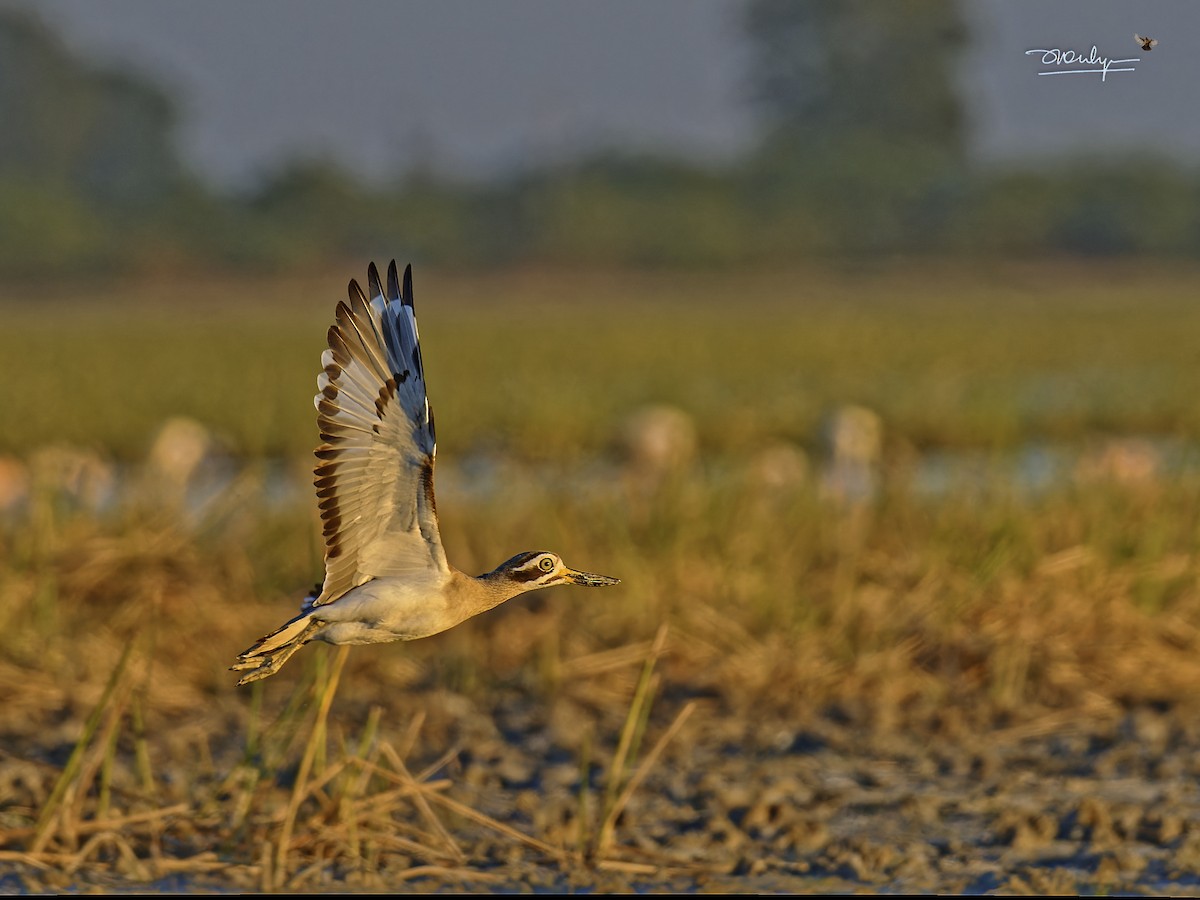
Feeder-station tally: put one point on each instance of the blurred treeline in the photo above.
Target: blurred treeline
(863, 150)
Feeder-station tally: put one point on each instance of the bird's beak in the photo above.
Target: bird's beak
(587, 579)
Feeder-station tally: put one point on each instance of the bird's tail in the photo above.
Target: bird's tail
(269, 653)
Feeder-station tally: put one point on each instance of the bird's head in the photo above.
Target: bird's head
(541, 569)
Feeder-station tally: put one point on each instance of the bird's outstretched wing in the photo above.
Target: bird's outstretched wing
(374, 475)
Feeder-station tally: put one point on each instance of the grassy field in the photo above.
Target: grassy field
(544, 365)
(538, 744)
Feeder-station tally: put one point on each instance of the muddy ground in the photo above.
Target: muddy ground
(1080, 807)
(1047, 806)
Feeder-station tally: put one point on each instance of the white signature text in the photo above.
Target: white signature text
(1100, 65)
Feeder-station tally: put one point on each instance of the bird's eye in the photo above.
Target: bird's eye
(546, 564)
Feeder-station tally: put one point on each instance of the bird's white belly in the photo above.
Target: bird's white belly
(383, 610)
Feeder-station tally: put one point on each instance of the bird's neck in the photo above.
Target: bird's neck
(479, 594)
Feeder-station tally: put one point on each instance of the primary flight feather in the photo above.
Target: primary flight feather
(386, 574)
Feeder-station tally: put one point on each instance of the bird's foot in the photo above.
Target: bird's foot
(263, 665)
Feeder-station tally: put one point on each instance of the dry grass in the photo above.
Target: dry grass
(952, 618)
(523, 747)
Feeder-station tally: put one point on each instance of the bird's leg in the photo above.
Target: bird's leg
(269, 663)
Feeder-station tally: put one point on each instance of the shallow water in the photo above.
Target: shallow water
(1032, 468)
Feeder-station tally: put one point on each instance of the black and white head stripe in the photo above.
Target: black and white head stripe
(529, 566)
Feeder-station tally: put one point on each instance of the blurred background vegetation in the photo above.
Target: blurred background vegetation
(861, 151)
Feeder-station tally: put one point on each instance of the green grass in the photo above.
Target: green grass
(545, 365)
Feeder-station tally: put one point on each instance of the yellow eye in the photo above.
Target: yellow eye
(546, 564)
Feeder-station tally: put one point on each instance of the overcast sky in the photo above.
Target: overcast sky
(482, 86)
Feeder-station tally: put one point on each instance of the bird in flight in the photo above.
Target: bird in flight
(386, 573)
(1148, 44)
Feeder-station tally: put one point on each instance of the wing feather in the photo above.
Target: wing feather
(374, 476)
(361, 340)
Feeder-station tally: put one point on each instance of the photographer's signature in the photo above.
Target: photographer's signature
(1081, 63)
